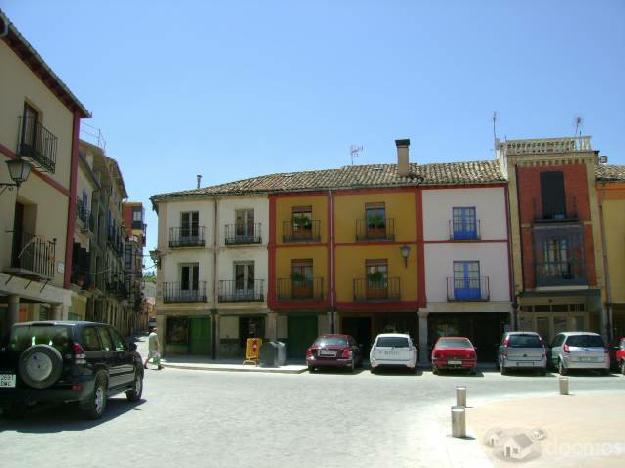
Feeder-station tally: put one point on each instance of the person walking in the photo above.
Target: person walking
(154, 349)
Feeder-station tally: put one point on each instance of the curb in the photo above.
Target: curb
(262, 370)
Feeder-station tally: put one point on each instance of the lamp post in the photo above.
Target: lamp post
(405, 253)
(19, 170)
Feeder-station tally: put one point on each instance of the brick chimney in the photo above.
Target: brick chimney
(403, 158)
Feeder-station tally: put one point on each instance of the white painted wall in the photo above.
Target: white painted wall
(490, 209)
(226, 215)
(439, 264)
(172, 219)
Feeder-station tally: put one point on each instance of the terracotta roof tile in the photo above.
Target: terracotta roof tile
(610, 172)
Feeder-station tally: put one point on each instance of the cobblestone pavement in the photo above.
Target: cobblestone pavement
(197, 418)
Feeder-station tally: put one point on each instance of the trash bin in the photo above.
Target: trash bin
(281, 353)
(269, 354)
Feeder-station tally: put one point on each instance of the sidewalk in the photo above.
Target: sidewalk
(204, 363)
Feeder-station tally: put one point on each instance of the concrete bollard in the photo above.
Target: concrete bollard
(461, 396)
(564, 385)
(458, 428)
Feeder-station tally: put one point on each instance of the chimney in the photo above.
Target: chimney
(199, 180)
(403, 159)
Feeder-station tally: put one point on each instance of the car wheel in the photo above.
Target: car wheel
(40, 366)
(434, 370)
(311, 369)
(373, 370)
(95, 404)
(542, 372)
(137, 390)
(352, 366)
(502, 369)
(561, 369)
(605, 371)
(623, 367)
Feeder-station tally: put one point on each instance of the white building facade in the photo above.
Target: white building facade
(466, 264)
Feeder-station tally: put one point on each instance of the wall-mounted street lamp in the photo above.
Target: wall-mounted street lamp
(405, 253)
(19, 170)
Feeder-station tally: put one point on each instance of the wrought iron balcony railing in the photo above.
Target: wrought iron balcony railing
(375, 230)
(459, 230)
(235, 291)
(571, 272)
(236, 234)
(300, 289)
(568, 214)
(37, 143)
(309, 231)
(174, 292)
(34, 257)
(377, 289)
(186, 236)
(468, 289)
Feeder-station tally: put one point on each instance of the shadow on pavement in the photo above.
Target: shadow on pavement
(400, 371)
(338, 371)
(62, 418)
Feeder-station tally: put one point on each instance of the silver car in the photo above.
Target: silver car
(579, 350)
(522, 350)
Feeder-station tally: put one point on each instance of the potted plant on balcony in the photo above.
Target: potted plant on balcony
(301, 226)
(376, 286)
(301, 286)
(376, 226)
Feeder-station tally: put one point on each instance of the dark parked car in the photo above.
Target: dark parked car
(67, 361)
(334, 351)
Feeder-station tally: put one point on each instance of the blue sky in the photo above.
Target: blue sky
(233, 89)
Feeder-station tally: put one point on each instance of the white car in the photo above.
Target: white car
(393, 349)
(579, 350)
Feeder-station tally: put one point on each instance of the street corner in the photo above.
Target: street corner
(551, 431)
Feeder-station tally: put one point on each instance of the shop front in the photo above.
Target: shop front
(188, 334)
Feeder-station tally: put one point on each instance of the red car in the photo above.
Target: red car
(453, 352)
(617, 354)
(334, 351)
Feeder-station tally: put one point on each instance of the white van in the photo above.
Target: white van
(393, 349)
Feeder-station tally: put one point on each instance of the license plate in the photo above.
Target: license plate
(326, 352)
(524, 364)
(7, 380)
(588, 359)
(391, 352)
(454, 363)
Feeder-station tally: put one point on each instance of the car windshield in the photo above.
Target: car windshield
(25, 336)
(392, 342)
(525, 341)
(445, 343)
(330, 341)
(585, 341)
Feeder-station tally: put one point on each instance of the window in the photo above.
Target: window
(525, 341)
(244, 278)
(118, 341)
(464, 223)
(137, 215)
(302, 278)
(189, 224)
(189, 277)
(244, 223)
(552, 193)
(375, 217)
(467, 281)
(29, 127)
(301, 217)
(392, 342)
(585, 341)
(377, 279)
(331, 341)
(90, 340)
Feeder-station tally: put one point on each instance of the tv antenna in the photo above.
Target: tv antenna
(354, 151)
(579, 123)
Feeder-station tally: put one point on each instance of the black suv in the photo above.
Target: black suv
(66, 361)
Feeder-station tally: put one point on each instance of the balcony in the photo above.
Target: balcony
(175, 293)
(231, 291)
(547, 145)
(566, 273)
(460, 231)
(84, 217)
(309, 231)
(468, 289)
(569, 214)
(37, 144)
(186, 237)
(377, 290)
(33, 257)
(306, 289)
(241, 234)
(375, 230)
(117, 288)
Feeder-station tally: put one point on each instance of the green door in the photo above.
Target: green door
(303, 331)
(200, 342)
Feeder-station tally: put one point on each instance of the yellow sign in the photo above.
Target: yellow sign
(252, 350)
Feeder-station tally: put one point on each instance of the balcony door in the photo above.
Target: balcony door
(377, 279)
(189, 225)
(375, 219)
(244, 280)
(556, 258)
(467, 281)
(244, 223)
(301, 222)
(464, 223)
(29, 129)
(189, 280)
(553, 195)
(302, 279)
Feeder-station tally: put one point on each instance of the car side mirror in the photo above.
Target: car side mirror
(132, 346)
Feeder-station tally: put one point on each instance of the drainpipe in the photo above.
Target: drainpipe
(606, 273)
(214, 308)
(331, 247)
